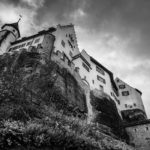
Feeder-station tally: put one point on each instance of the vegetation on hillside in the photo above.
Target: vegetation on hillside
(34, 114)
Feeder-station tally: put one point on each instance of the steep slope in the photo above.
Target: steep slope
(42, 106)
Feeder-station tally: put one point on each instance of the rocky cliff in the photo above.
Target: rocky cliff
(43, 106)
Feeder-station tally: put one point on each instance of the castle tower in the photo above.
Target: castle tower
(9, 33)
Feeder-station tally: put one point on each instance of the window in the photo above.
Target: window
(63, 43)
(37, 40)
(111, 93)
(70, 44)
(126, 106)
(86, 67)
(134, 105)
(100, 70)
(117, 80)
(70, 53)
(18, 46)
(29, 43)
(122, 86)
(71, 37)
(93, 81)
(101, 88)
(125, 93)
(101, 79)
(146, 128)
(135, 130)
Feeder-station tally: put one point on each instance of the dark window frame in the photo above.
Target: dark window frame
(85, 66)
(125, 93)
(100, 70)
(101, 79)
(122, 86)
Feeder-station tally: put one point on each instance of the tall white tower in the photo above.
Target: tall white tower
(9, 33)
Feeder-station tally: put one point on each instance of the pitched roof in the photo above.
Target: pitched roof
(14, 25)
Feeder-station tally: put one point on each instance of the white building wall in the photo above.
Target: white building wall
(91, 76)
(26, 43)
(131, 101)
(107, 86)
(63, 33)
(82, 71)
(6, 42)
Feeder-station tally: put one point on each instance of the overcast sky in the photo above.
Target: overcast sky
(115, 32)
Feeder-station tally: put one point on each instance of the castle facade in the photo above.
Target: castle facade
(62, 40)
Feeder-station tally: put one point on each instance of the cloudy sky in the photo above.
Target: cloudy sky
(115, 32)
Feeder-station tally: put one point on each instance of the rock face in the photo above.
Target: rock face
(46, 82)
(31, 86)
(106, 112)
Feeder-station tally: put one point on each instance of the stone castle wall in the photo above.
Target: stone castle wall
(140, 135)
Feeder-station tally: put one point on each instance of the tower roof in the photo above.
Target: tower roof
(14, 25)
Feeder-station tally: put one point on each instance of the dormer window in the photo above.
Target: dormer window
(100, 70)
(63, 43)
(86, 67)
(37, 40)
(122, 86)
(101, 79)
(125, 93)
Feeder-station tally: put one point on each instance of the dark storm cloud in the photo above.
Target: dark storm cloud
(21, 3)
(128, 19)
(60, 10)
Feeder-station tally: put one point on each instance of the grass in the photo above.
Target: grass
(59, 131)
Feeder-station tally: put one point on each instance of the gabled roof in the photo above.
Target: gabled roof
(14, 25)
(80, 56)
(129, 85)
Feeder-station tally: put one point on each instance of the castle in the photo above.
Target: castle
(62, 40)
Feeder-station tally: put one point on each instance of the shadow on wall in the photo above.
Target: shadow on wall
(134, 115)
(105, 112)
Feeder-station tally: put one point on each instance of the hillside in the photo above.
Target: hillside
(42, 106)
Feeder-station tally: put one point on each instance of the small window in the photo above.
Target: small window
(37, 40)
(100, 70)
(101, 88)
(70, 53)
(134, 105)
(84, 78)
(86, 67)
(122, 86)
(66, 35)
(93, 81)
(63, 43)
(117, 80)
(135, 130)
(147, 128)
(101, 79)
(126, 105)
(70, 44)
(125, 93)
(29, 43)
